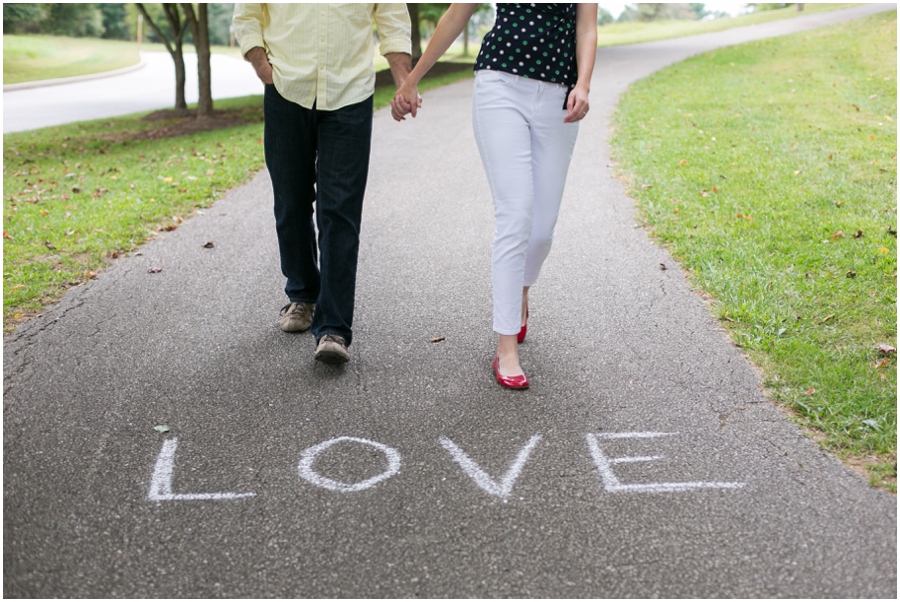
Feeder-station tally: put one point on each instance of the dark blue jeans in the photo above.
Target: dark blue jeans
(319, 157)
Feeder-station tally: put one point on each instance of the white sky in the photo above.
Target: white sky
(733, 8)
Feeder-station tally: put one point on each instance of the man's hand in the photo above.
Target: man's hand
(259, 60)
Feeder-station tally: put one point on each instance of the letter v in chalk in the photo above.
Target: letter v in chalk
(483, 479)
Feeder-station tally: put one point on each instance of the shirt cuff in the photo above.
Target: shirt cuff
(249, 42)
(396, 44)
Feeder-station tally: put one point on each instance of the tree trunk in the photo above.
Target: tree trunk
(466, 40)
(174, 46)
(800, 7)
(416, 36)
(199, 25)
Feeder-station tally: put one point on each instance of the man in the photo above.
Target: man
(316, 62)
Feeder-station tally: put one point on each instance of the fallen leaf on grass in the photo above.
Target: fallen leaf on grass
(827, 318)
(884, 250)
(851, 274)
(437, 339)
(859, 234)
(7, 236)
(886, 349)
(810, 391)
(49, 245)
(882, 363)
(154, 270)
(837, 235)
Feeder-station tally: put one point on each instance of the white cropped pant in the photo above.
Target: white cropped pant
(526, 149)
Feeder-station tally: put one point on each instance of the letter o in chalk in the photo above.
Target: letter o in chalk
(309, 455)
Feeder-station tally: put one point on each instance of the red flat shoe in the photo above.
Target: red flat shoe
(510, 382)
(521, 336)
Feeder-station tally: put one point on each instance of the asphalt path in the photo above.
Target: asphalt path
(151, 87)
(643, 462)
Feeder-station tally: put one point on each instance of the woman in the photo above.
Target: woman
(532, 79)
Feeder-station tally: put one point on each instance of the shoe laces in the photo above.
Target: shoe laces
(298, 308)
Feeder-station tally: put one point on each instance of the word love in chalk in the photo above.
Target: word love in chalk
(163, 473)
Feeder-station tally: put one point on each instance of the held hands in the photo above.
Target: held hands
(577, 105)
(407, 100)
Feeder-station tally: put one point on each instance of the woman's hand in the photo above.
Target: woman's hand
(407, 100)
(578, 105)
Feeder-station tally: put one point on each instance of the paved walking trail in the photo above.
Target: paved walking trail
(643, 462)
(145, 89)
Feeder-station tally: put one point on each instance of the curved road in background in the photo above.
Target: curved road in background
(152, 87)
(643, 462)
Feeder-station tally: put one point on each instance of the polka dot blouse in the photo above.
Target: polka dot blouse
(532, 40)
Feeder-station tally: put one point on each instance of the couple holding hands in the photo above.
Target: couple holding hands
(532, 79)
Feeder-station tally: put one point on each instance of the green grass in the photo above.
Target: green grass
(617, 34)
(37, 57)
(28, 58)
(94, 191)
(769, 171)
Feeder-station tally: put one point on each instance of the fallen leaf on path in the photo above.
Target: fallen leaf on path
(161, 428)
(662, 266)
(154, 270)
(209, 245)
(437, 339)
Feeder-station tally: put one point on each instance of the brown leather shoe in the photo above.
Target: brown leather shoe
(296, 317)
(331, 350)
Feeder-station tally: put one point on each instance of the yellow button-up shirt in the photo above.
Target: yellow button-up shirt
(322, 53)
